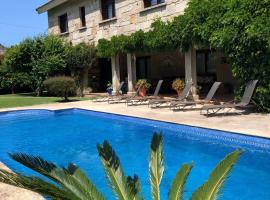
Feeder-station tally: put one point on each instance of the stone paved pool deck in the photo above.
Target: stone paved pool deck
(254, 124)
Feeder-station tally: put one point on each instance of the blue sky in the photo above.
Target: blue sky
(19, 19)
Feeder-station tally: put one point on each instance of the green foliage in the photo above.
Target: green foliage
(125, 188)
(15, 80)
(156, 165)
(143, 84)
(61, 86)
(39, 58)
(178, 84)
(211, 189)
(178, 185)
(239, 28)
(72, 183)
(80, 58)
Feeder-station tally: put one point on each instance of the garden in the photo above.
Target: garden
(42, 69)
(239, 28)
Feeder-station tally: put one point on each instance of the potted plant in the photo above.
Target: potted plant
(143, 86)
(109, 88)
(178, 85)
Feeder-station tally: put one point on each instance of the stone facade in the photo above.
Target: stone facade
(131, 16)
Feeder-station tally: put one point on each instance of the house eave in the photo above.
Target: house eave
(49, 5)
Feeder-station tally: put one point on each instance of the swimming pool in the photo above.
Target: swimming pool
(71, 136)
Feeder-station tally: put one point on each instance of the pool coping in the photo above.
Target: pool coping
(137, 117)
(253, 124)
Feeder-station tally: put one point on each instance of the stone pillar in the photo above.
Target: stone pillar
(131, 69)
(191, 70)
(115, 73)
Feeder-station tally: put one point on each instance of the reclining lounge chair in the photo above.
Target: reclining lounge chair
(166, 102)
(123, 99)
(140, 100)
(178, 105)
(243, 104)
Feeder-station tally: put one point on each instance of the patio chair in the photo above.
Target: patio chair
(243, 104)
(140, 100)
(123, 99)
(183, 104)
(118, 92)
(160, 102)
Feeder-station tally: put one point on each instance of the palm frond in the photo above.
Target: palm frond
(117, 179)
(35, 184)
(210, 190)
(85, 182)
(68, 179)
(35, 163)
(72, 183)
(134, 186)
(177, 188)
(156, 165)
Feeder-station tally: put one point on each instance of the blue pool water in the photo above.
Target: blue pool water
(72, 135)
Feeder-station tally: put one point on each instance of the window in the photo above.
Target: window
(149, 3)
(82, 16)
(63, 23)
(108, 9)
(206, 62)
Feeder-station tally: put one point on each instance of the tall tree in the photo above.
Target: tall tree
(80, 58)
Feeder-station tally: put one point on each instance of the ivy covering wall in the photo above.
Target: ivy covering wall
(239, 28)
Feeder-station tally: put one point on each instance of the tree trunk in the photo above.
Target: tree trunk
(83, 82)
(12, 90)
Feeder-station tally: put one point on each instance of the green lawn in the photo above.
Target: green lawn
(17, 100)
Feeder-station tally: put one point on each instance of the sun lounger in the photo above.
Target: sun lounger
(118, 93)
(123, 99)
(166, 102)
(243, 104)
(140, 100)
(183, 104)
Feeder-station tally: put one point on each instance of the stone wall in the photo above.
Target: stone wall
(130, 17)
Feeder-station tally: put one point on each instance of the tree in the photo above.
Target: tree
(14, 80)
(39, 58)
(73, 184)
(80, 58)
(50, 58)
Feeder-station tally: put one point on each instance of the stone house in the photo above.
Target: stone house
(90, 20)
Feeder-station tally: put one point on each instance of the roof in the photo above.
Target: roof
(50, 5)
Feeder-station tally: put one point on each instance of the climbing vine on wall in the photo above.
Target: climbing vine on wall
(239, 28)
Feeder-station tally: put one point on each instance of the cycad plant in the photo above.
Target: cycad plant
(72, 184)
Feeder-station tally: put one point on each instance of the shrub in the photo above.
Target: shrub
(178, 84)
(143, 83)
(61, 86)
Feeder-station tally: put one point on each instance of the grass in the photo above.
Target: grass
(29, 99)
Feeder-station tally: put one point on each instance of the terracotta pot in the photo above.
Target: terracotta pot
(179, 92)
(142, 92)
